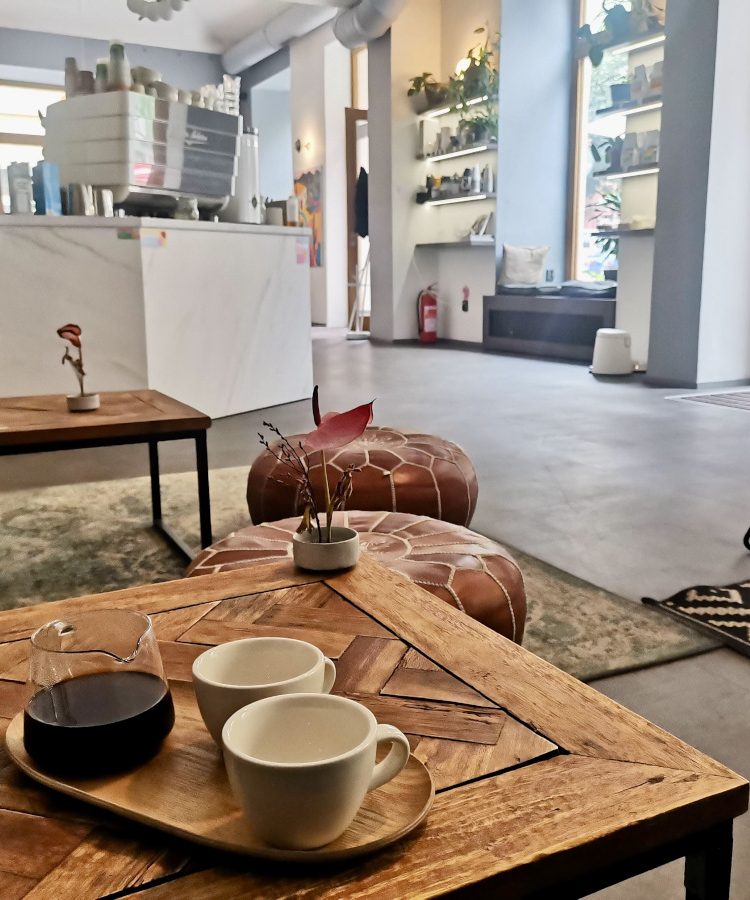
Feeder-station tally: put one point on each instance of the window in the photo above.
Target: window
(21, 131)
(598, 199)
(602, 126)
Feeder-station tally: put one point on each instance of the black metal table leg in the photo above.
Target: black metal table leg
(708, 870)
(204, 498)
(159, 524)
(153, 464)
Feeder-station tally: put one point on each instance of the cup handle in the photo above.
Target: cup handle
(329, 675)
(397, 758)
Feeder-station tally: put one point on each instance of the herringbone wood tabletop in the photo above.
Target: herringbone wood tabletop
(540, 778)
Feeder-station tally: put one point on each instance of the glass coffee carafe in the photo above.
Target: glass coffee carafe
(100, 700)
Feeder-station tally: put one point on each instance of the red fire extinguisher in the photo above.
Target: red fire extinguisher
(427, 315)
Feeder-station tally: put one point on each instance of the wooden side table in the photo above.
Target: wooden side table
(545, 787)
(42, 424)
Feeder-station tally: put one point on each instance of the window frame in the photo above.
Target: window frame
(29, 140)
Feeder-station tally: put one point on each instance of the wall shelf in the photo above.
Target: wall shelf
(459, 198)
(613, 112)
(630, 173)
(440, 245)
(438, 111)
(638, 43)
(464, 151)
(623, 232)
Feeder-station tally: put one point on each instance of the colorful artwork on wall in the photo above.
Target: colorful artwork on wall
(309, 190)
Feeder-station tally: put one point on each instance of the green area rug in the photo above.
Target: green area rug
(82, 539)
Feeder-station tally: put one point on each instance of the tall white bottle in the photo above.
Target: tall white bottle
(118, 73)
(476, 180)
(488, 180)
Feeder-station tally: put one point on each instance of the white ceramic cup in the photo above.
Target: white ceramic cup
(300, 765)
(229, 676)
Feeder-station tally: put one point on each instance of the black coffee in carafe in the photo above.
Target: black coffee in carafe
(98, 723)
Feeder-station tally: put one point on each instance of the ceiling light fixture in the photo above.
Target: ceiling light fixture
(153, 10)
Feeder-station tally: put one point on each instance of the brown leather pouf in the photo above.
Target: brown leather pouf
(401, 472)
(465, 569)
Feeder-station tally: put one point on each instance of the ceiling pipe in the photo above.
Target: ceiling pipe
(362, 22)
(368, 20)
(294, 22)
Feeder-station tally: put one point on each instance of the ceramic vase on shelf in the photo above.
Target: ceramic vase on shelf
(341, 553)
(71, 77)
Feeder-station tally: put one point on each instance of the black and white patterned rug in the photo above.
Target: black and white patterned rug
(721, 612)
(728, 399)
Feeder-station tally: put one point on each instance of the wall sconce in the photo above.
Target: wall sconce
(300, 146)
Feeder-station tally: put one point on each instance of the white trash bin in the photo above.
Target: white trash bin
(612, 353)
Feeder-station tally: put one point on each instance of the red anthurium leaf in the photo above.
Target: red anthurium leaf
(70, 336)
(316, 406)
(74, 329)
(339, 429)
(70, 332)
(73, 338)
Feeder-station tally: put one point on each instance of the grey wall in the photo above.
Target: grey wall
(39, 50)
(380, 129)
(272, 117)
(689, 63)
(272, 65)
(537, 73)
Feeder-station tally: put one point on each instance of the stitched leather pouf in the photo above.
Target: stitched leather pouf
(411, 473)
(465, 569)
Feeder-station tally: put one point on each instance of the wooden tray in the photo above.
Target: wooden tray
(184, 790)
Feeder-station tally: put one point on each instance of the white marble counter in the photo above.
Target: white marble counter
(146, 222)
(214, 314)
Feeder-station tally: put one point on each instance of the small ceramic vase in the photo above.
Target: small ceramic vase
(341, 553)
(83, 402)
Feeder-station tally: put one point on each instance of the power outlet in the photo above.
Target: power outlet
(549, 275)
(465, 301)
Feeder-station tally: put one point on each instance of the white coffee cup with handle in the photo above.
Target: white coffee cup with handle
(300, 765)
(229, 676)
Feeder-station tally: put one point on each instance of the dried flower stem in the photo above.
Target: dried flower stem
(327, 489)
(77, 365)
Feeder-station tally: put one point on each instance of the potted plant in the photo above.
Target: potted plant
(479, 76)
(81, 402)
(609, 210)
(425, 92)
(319, 545)
(620, 93)
(608, 150)
(619, 24)
(481, 127)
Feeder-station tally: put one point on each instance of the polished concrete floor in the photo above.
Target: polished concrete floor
(604, 478)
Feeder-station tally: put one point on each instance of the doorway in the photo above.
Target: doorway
(270, 106)
(358, 251)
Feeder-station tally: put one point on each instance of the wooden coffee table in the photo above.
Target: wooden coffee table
(546, 788)
(41, 424)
